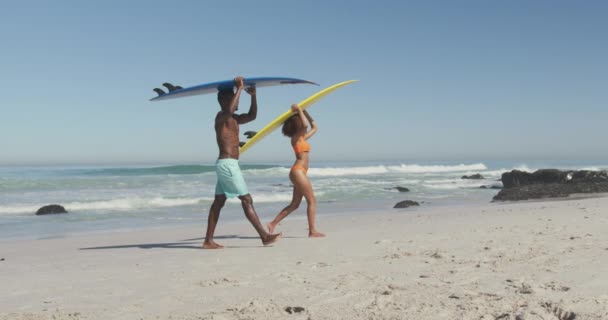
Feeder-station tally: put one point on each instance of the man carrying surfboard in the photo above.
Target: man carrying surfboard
(230, 182)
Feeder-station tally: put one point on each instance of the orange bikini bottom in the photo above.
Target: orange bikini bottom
(299, 167)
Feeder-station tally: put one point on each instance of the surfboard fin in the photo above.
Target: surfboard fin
(170, 86)
(241, 144)
(160, 92)
(250, 134)
(178, 87)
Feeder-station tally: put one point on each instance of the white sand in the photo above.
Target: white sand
(535, 260)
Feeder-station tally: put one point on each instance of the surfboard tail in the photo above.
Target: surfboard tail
(170, 86)
(159, 91)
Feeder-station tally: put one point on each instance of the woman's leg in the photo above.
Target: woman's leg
(302, 184)
(296, 199)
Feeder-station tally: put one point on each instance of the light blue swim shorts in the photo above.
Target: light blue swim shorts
(229, 178)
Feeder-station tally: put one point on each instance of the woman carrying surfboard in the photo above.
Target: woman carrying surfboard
(296, 127)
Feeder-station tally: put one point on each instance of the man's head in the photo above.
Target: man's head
(224, 97)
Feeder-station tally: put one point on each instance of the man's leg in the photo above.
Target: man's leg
(252, 216)
(214, 215)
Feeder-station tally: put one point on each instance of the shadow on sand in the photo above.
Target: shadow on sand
(183, 244)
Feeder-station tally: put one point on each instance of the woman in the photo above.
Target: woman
(296, 128)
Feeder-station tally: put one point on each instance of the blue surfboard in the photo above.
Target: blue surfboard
(212, 87)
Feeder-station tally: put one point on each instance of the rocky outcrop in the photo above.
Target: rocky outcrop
(406, 204)
(518, 178)
(476, 176)
(51, 209)
(550, 183)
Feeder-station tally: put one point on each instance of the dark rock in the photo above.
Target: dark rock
(476, 176)
(550, 183)
(490, 187)
(406, 204)
(292, 310)
(51, 209)
(400, 189)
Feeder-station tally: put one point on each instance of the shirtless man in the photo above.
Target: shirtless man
(230, 182)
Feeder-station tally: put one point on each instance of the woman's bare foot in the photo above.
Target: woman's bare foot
(212, 245)
(271, 238)
(270, 227)
(315, 234)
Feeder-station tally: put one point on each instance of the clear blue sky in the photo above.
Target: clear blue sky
(438, 79)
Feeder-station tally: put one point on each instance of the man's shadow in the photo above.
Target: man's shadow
(183, 244)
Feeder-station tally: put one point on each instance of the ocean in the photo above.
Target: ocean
(122, 198)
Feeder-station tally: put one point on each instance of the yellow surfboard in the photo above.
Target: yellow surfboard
(304, 104)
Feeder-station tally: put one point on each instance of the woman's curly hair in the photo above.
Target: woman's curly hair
(292, 125)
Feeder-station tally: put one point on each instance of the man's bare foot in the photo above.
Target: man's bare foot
(271, 238)
(270, 227)
(316, 234)
(212, 245)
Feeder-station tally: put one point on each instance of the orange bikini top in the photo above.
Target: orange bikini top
(301, 146)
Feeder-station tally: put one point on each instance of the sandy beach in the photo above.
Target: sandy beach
(529, 260)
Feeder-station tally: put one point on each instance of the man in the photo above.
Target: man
(230, 182)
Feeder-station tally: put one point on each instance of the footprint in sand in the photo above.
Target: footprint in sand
(384, 241)
(320, 265)
(292, 310)
(255, 309)
(219, 282)
(293, 277)
(555, 287)
(558, 312)
(436, 255)
(392, 256)
(522, 288)
(397, 255)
